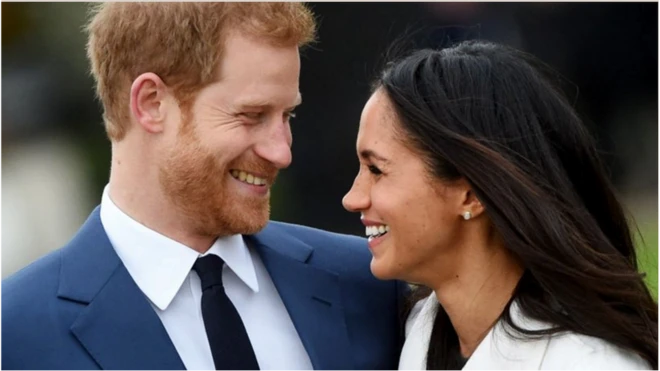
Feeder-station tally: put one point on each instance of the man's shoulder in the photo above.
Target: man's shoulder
(29, 300)
(37, 278)
(344, 254)
(316, 234)
(326, 243)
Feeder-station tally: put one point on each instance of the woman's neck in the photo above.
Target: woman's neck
(475, 298)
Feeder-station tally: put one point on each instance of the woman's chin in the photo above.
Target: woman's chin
(382, 270)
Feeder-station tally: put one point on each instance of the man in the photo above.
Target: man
(179, 266)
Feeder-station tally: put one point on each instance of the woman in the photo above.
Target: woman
(479, 183)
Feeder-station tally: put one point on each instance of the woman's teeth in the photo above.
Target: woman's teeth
(247, 177)
(374, 231)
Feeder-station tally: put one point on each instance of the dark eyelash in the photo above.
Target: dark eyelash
(374, 170)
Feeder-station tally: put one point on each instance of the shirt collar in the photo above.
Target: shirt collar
(160, 265)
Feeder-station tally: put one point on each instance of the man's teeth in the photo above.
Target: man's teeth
(247, 177)
(377, 230)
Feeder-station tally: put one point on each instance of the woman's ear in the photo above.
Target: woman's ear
(470, 207)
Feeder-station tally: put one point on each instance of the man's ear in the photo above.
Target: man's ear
(148, 94)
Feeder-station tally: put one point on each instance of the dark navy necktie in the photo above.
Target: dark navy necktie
(230, 344)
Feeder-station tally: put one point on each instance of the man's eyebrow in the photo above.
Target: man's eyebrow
(264, 104)
(368, 154)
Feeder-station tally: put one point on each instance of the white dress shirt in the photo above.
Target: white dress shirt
(501, 351)
(162, 269)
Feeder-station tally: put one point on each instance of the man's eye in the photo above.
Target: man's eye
(374, 170)
(252, 115)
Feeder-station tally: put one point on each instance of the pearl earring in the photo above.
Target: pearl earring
(467, 215)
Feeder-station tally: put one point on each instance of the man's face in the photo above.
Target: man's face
(235, 138)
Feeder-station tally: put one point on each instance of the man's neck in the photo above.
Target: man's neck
(146, 205)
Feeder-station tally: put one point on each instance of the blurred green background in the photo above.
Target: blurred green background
(648, 254)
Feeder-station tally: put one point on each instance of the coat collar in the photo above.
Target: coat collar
(503, 349)
(117, 325)
(499, 350)
(120, 330)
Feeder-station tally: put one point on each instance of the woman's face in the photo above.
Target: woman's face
(395, 193)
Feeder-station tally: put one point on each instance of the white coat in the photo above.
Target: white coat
(499, 350)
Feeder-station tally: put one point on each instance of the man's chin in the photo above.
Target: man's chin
(255, 228)
(255, 223)
(237, 223)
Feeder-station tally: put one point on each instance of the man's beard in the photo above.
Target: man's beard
(196, 185)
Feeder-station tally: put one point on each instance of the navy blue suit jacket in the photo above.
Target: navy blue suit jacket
(78, 307)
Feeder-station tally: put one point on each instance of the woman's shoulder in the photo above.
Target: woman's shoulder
(560, 351)
(577, 351)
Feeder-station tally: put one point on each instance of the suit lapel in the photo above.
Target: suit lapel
(118, 327)
(311, 295)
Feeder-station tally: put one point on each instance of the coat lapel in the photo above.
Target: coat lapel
(501, 351)
(311, 295)
(117, 327)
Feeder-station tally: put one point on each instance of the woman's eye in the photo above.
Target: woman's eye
(374, 170)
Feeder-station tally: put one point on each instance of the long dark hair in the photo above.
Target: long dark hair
(493, 115)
